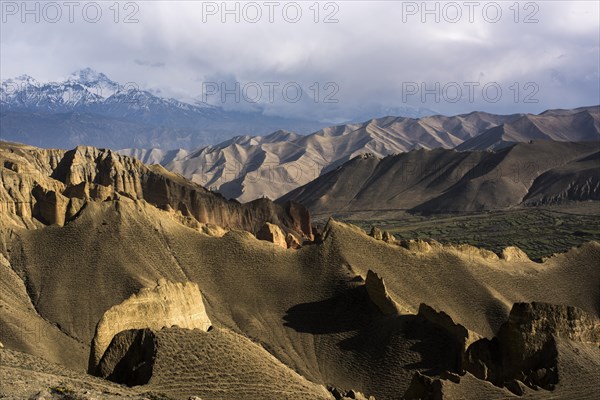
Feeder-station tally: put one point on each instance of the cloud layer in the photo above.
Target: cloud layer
(368, 59)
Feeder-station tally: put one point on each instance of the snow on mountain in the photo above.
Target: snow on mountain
(89, 108)
(84, 90)
(22, 80)
(94, 82)
(28, 94)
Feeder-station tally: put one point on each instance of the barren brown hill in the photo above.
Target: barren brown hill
(307, 307)
(576, 125)
(250, 167)
(247, 168)
(427, 181)
(576, 180)
(308, 318)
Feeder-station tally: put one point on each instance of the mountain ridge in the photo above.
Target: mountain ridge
(51, 187)
(442, 180)
(171, 123)
(247, 167)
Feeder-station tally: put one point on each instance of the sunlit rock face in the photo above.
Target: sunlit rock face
(165, 305)
(49, 187)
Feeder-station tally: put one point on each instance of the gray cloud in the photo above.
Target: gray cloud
(370, 55)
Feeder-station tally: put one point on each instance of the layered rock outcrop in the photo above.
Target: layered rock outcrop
(272, 233)
(525, 348)
(462, 336)
(165, 305)
(44, 187)
(51, 206)
(22, 170)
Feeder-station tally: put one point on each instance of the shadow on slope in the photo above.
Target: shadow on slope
(375, 336)
(348, 311)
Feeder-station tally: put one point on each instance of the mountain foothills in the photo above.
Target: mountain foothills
(448, 181)
(88, 108)
(246, 168)
(121, 280)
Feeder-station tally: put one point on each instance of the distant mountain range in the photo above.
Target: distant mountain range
(246, 168)
(440, 181)
(579, 124)
(88, 108)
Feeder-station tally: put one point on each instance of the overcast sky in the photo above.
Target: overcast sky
(370, 59)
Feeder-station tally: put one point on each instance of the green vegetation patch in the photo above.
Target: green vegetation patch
(540, 232)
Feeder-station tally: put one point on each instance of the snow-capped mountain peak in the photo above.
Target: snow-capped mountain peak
(19, 81)
(87, 107)
(88, 76)
(25, 78)
(85, 90)
(95, 82)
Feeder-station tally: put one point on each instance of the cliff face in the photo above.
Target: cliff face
(49, 187)
(526, 348)
(24, 172)
(463, 336)
(168, 304)
(130, 357)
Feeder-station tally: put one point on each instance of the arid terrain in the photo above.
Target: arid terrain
(448, 181)
(300, 200)
(248, 167)
(121, 280)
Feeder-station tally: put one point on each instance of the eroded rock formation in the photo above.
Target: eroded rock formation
(220, 364)
(339, 394)
(418, 245)
(379, 296)
(51, 206)
(44, 187)
(525, 348)
(130, 357)
(165, 305)
(376, 233)
(463, 336)
(272, 233)
(292, 242)
(513, 253)
(388, 237)
(423, 387)
(300, 218)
